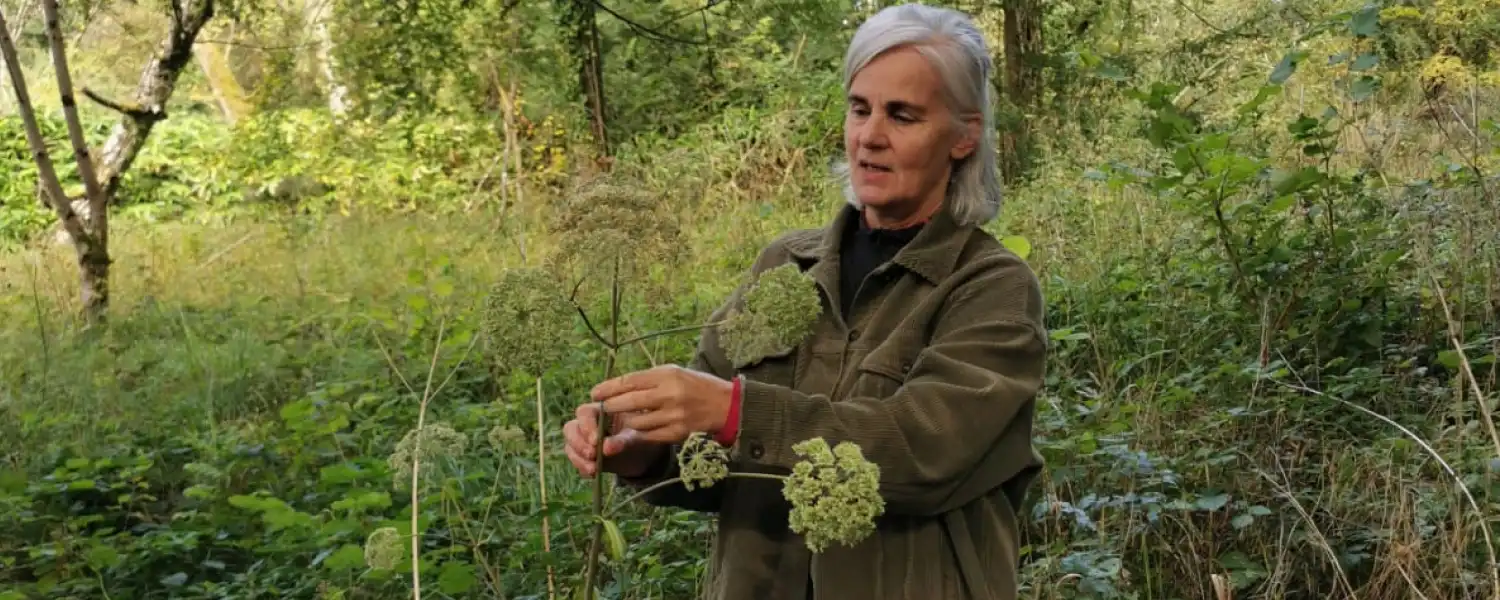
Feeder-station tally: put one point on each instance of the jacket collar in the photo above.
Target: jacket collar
(933, 254)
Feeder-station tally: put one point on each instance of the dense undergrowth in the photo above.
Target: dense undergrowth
(1263, 308)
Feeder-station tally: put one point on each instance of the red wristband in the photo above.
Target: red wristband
(731, 428)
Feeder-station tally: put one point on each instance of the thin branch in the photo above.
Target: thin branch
(98, 217)
(134, 111)
(45, 170)
(647, 31)
(656, 334)
(590, 325)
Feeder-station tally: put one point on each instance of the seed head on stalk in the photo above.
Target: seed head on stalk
(835, 494)
(608, 220)
(429, 443)
(781, 306)
(527, 321)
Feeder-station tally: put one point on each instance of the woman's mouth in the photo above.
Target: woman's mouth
(875, 167)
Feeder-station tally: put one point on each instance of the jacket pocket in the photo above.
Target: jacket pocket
(776, 369)
(882, 372)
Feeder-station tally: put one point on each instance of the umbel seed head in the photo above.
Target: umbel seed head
(835, 494)
(781, 306)
(611, 220)
(430, 443)
(383, 550)
(527, 321)
(702, 462)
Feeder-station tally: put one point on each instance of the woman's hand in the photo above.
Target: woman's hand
(666, 404)
(625, 453)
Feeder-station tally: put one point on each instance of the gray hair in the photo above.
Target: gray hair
(957, 50)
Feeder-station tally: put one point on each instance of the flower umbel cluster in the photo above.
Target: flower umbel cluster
(527, 321)
(431, 442)
(781, 306)
(606, 221)
(383, 549)
(702, 462)
(835, 494)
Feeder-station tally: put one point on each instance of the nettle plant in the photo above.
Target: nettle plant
(610, 236)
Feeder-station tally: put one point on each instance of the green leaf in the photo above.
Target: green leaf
(1017, 244)
(102, 557)
(456, 577)
(1287, 66)
(349, 556)
(1213, 502)
(1365, 62)
(1363, 88)
(614, 541)
(1366, 21)
(1242, 521)
(1448, 358)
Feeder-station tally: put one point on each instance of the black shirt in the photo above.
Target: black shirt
(863, 249)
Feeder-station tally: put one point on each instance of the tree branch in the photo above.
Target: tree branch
(45, 170)
(133, 111)
(98, 218)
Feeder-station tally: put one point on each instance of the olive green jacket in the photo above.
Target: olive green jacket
(934, 376)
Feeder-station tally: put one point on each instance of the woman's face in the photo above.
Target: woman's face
(900, 137)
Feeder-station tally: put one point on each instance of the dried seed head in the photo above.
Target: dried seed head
(835, 494)
(608, 219)
(781, 306)
(431, 442)
(528, 323)
(702, 461)
(383, 549)
(505, 438)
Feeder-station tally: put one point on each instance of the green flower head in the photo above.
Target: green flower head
(835, 494)
(528, 322)
(781, 306)
(383, 549)
(430, 443)
(702, 461)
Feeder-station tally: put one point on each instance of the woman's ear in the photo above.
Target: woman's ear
(969, 138)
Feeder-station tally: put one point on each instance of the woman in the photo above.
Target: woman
(928, 355)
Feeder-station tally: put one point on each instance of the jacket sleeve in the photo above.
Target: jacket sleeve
(708, 358)
(958, 427)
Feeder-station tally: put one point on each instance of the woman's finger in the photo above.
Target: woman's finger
(583, 466)
(650, 420)
(633, 401)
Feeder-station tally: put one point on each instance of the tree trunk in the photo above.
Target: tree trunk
(316, 13)
(582, 27)
(89, 232)
(1023, 70)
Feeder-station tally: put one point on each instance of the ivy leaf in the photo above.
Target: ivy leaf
(1366, 21)
(1213, 502)
(1363, 88)
(1287, 66)
(1365, 62)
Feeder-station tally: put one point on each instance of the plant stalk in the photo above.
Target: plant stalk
(541, 474)
(602, 431)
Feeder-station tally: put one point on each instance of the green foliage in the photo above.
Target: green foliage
(1234, 204)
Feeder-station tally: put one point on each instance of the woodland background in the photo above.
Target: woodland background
(1268, 231)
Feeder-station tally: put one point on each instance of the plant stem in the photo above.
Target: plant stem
(602, 429)
(661, 484)
(541, 474)
(657, 334)
(416, 468)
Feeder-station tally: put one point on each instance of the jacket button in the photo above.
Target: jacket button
(853, 334)
(906, 368)
(756, 450)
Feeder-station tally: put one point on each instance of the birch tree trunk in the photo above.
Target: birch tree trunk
(89, 233)
(316, 13)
